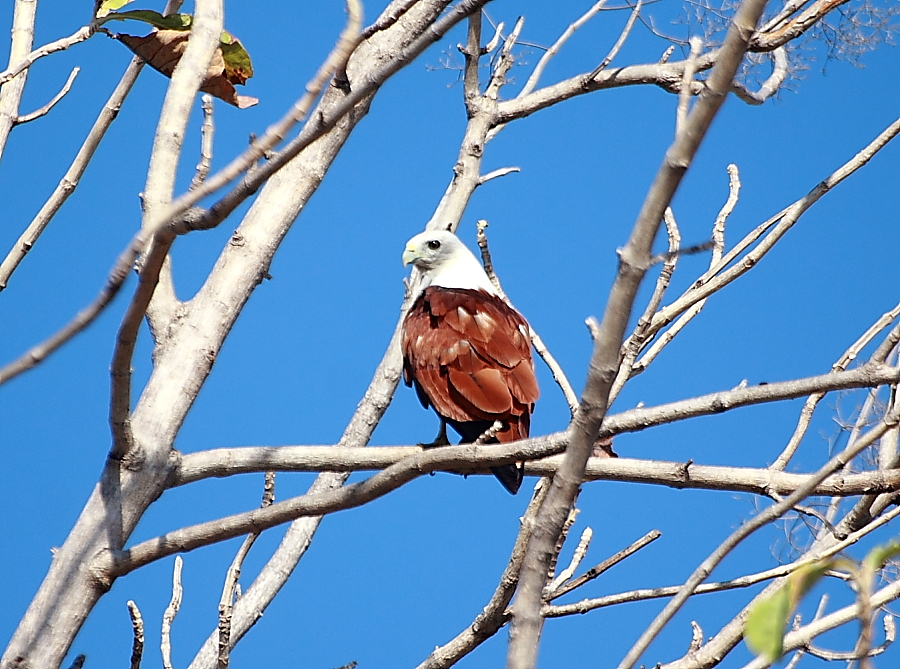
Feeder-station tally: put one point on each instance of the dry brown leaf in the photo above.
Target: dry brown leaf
(162, 49)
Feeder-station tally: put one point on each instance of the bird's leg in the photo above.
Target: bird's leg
(440, 439)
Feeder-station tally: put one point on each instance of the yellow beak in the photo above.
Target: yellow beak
(410, 255)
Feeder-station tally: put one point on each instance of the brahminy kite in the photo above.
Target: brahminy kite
(467, 351)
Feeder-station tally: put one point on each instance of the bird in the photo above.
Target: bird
(466, 351)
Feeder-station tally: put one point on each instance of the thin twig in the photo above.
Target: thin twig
(770, 86)
(56, 98)
(165, 644)
(813, 400)
(577, 556)
(494, 616)
(557, 45)
(619, 42)
(687, 80)
(586, 605)
(206, 142)
(558, 374)
(763, 518)
(638, 338)
(137, 624)
(226, 602)
(604, 566)
(73, 175)
(64, 43)
(718, 245)
(717, 277)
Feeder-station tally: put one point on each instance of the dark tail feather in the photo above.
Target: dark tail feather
(510, 476)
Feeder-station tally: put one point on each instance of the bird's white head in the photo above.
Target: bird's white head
(445, 261)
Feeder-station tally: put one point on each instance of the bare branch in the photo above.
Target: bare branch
(59, 45)
(73, 175)
(226, 602)
(810, 405)
(594, 572)
(501, 172)
(165, 645)
(626, 31)
(718, 237)
(634, 258)
(801, 638)
(638, 338)
(189, 74)
(56, 98)
(687, 80)
(494, 616)
(777, 510)
(21, 43)
(388, 18)
(779, 36)
(770, 86)
(758, 481)
(569, 572)
(558, 374)
(718, 277)
(137, 624)
(557, 45)
(206, 142)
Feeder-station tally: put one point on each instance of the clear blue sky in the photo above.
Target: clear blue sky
(386, 583)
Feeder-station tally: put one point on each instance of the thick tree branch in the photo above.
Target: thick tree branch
(187, 78)
(494, 615)
(633, 262)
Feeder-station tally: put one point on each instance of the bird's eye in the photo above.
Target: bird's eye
(433, 244)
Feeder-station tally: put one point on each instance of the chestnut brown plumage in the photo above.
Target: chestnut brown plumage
(466, 351)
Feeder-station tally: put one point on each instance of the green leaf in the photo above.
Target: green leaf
(155, 19)
(109, 5)
(764, 629)
(238, 67)
(801, 581)
(765, 626)
(879, 555)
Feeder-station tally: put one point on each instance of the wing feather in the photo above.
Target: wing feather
(469, 354)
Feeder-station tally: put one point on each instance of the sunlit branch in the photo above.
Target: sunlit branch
(801, 638)
(764, 517)
(716, 278)
(73, 175)
(557, 45)
(770, 86)
(59, 45)
(494, 615)
(41, 111)
(189, 74)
